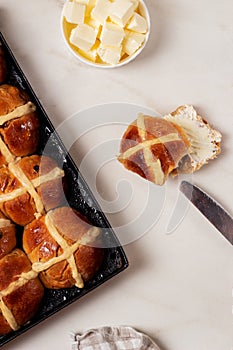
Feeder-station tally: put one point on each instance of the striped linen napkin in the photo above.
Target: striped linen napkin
(113, 338)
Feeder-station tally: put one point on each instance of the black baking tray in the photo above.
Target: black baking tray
(79, 198)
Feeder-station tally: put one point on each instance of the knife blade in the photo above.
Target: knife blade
(209, 208)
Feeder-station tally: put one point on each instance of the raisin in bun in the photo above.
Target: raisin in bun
(3, 66)
(64, 248)
(152, 147)
(30, 186)
(18, 122)
(20, 291)
(7, 236)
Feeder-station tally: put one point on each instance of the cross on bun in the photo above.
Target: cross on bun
(20, 291)
(30, 186)
(181, 142)
(63, 248)
(7, 236)
(19, 126)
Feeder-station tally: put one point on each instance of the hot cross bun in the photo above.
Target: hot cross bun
(180, 142)
(64, 248)
(29, 187)
(19, 126)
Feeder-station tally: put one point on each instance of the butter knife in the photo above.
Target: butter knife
(209, 208)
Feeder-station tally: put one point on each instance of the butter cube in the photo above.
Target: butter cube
(83, 36)
(132, 42)
(137, 23)
(100, 11)
(95, 24)
(121, 11)
(110, 55)
(112, 34)
(74, 12)
(91, 55)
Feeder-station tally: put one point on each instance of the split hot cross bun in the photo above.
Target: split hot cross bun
(19, 126)
(30, 186)
(20, 291)
(64, 248)
(180, 142)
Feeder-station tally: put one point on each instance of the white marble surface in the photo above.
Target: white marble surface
(178, 288)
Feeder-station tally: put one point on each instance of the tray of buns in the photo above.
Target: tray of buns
(56, 244)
